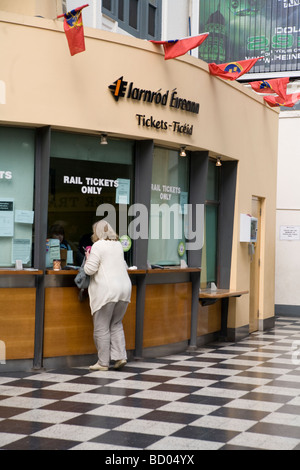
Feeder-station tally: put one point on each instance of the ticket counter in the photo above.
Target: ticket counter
(165, 124)
(17, 313)
(164, 319)
(68, 327)
(158, 319)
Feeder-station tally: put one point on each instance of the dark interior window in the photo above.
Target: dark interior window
(151, 20)
(121, 10)
(107, 4)
(133, 14)
(140, 18)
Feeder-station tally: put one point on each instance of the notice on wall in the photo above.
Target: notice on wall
(289, 232)
(6, 217)
(123, 191)
(21, 250)
(24, 217)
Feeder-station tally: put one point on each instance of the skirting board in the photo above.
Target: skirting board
(287, 310)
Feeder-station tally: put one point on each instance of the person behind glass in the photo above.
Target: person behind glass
(57, 231)
(109, 294)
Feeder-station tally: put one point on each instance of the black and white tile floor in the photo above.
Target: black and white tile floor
(224, 396)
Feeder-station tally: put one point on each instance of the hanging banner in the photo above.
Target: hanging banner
(245, 29)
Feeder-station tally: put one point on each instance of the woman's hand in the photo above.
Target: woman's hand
(87, 252)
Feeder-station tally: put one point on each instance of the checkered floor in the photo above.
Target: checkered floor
(243, 395)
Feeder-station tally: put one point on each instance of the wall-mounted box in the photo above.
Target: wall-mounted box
(248, 228)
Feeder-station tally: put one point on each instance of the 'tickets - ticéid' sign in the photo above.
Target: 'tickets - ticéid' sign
(121, 89)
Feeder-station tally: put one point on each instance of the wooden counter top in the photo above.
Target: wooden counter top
(136, 271)
(132, 271)
(62, 271)
(220, 293)
(75, 271)
(173, 270)
(18, 272)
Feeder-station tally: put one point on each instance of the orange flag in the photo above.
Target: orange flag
(178, 47)
(232, 70)
(73, 27)
(289, 101)
(275, 85)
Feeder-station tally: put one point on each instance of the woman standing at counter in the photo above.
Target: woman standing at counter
(109, 293)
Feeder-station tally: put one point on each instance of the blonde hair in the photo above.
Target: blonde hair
(102, 230)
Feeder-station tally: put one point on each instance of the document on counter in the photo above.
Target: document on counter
(6, 217)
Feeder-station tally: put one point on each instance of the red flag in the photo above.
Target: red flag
(178, 47)
(289, 101)
(232, 70)
(275, 85)
(73, 27)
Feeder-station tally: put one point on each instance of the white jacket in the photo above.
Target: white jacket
(109, 278)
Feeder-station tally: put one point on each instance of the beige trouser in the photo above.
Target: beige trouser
(108, 332)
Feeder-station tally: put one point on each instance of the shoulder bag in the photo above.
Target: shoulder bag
(82, 280)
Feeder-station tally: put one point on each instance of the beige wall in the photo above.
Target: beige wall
(288, 211)
(46, 86)
(44, 8)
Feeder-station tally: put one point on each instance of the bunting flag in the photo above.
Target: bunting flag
(73, 27)
(178, 47)
(289, 101)
(232, 70)
(275, 85)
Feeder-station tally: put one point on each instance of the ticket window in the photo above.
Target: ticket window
(169, 206)
(85, 176)
(17, 149)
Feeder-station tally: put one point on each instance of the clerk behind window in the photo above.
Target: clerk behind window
(57, 231)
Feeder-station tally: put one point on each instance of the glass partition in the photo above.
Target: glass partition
(169, 199)
(88, 181)
(17, 147)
